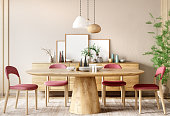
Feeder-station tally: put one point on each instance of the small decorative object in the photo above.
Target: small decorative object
(70, 68)
(99, 59)
(84, 69)
(117, 58)
(48, 52)
(62, 57)
(112, 57)
(69, 60)
(94, 60)
(122, 60)
(81, 62)
(94, 28)
(110, 60)
(85, 62)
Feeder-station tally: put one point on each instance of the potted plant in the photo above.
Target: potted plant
(95, 48)
(87, 53)
(161, 50)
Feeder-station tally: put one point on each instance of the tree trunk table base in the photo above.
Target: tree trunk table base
(85, 98)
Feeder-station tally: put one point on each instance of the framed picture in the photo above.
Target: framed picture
(74, 44)
(104, 45)
(60, 46)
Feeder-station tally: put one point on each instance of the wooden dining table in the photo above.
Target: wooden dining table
(85, 99)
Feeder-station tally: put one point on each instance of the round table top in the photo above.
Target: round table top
(102, 72)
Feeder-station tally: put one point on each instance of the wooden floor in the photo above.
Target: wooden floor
(56, 107)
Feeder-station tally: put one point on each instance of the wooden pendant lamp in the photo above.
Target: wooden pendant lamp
(94, 28)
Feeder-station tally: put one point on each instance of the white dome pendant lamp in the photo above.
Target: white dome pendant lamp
(80, 22)
(94, 28)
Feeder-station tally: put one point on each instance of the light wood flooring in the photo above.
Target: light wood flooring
(56, 107)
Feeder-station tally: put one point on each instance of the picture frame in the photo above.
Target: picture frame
(104, 45)
(74, 44)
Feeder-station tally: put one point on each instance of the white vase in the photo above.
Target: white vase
(165, 91)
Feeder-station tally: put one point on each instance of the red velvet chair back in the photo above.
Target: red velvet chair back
(160, 70)
(114, 66)
(11, 70)
(59, 66)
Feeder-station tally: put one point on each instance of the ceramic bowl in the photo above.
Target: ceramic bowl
(70, 68)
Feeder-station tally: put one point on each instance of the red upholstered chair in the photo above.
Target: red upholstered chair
(151, 87)
(20, 87)
(49, 83)
(120, 83)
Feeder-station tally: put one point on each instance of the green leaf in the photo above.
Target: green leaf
(151, 32)
(158, 25)
(151, 15)
(159, 18)
(148, 22)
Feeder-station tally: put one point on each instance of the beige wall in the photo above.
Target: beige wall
(1, 44)
(36, 24)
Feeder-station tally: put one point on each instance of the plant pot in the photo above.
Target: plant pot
(165, 91)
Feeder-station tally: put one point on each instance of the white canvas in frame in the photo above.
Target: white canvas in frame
(60, 46)
(75, 43)
(104, 45)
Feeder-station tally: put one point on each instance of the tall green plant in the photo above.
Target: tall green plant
(161, 49)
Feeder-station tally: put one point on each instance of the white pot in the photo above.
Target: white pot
(165, 91)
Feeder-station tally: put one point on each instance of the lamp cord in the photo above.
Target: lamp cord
(88, 10)
(80, 7)
(94, 12)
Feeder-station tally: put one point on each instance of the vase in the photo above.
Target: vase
(85, 62)
(165, 91)
(51, 60)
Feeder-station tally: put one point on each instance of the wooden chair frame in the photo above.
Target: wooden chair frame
(104, 92)
(66, 99)
(17, 96)
(156, 97)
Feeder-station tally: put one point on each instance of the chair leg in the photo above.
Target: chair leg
(26, 102)
(6, 100)
(104, 95)
(121, 90)
(162, 100)
(36, 99)
(46, 96)
(48, 93)
(17, 96)
(123, 95)
(136, 98)
(157, 99)
(66, 94)
(140, 101)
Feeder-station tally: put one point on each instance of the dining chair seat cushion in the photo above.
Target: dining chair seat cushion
(24, 87)
(56, 83)
(146, 87)
(114, 83)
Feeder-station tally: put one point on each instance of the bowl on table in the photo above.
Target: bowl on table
(70, 68)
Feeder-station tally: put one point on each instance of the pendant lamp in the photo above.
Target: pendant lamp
(80, 22)
(94, 28)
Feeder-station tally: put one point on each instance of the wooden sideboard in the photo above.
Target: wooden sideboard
(130, 80)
